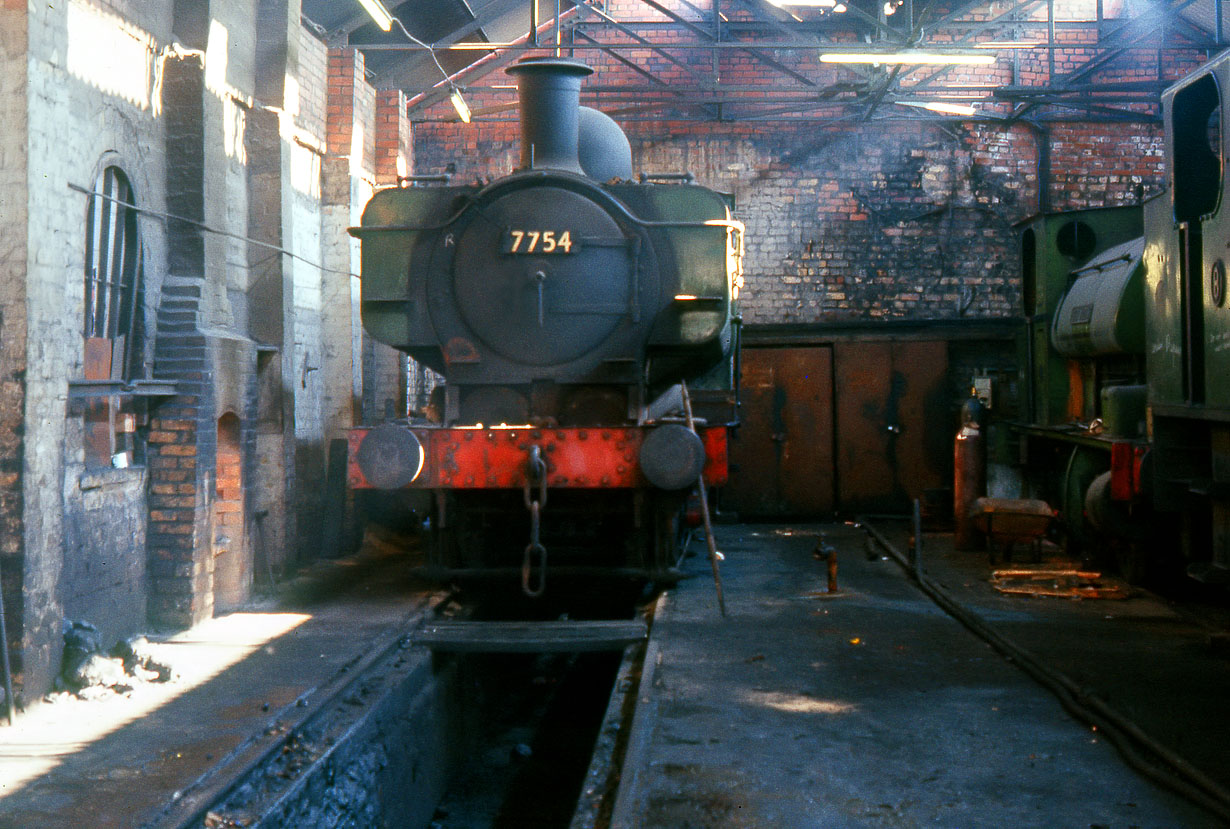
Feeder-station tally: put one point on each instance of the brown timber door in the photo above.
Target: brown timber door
(893, 418)
(782, 453)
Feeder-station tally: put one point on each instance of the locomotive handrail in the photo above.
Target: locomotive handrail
(685, 177)
(730, 224)
(1102, 264)
(441, 178)
(610, 201)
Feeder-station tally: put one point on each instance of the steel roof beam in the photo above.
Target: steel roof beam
(643, 43)
(710, 36)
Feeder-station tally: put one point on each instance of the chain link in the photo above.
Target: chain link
(535, 473)
(534, 548)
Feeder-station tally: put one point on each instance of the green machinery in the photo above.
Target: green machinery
(1082, 357)
(1188, 322)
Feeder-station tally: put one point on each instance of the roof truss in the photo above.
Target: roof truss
(689, 43)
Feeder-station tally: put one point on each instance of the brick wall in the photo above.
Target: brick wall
(358, 129)
(351, 111)
(13, 249)
(889, 220)
(181, 443)
(84, 552)
(394, 146)
(241, 330)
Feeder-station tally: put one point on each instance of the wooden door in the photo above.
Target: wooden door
(782, 453)
(893, 413)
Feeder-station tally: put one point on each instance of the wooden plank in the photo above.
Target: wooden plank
(98, 358)
(529, 637)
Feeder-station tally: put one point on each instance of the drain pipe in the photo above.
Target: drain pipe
(1042, 138)
(4, 650)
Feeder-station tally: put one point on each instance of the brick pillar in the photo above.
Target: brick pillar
(394, 146)
(350, 102)
(181, 442)
(14, 233)
(366, 133)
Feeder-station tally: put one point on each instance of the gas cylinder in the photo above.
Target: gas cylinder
(969, 474)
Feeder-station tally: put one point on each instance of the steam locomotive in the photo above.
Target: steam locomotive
(565, 305)
(1127, 355)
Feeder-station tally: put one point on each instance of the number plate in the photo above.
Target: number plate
(537, 241)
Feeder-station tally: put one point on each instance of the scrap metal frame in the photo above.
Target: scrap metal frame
(784, 45)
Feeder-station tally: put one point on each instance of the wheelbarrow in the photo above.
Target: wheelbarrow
(1007, 522)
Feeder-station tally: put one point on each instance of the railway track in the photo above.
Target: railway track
(260, 779)
(620, 742)
(396, 716)
(550, 739)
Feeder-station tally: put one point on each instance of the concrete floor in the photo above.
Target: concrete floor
(119, 760)
(874, 708)
(868, 708)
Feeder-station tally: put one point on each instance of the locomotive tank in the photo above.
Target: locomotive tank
(1052, 245)
(562, 304)
(1129, 427)
(1102, 312)
(549, 275)
(1083, 363)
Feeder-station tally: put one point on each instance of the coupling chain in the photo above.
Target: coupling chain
(537, 472)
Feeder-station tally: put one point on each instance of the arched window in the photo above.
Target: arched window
(114, 419)
(112, 280)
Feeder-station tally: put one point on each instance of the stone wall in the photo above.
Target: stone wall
(218, 114)
(14, 164)
(90, 105)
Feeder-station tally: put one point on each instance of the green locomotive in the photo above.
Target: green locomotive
(1187, 230)
(1126, 355)
(1082, 358)
(566, 305)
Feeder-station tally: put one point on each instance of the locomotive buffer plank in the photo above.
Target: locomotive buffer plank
(529, 637)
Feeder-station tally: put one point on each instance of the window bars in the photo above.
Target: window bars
(113, 267)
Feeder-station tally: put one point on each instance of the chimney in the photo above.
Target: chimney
(549, 90)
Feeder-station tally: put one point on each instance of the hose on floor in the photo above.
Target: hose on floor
(1135, 746)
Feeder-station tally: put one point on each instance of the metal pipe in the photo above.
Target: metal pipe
(918, 540)
(828, 554)
(714, 555)
(4, 650)
(1050, 41)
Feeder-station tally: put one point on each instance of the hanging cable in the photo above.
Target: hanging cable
(204, 228)
(383, 18)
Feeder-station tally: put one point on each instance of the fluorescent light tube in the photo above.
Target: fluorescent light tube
(906, 58)
(378, 13)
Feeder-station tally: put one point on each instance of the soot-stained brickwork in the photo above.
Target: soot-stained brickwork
(884, 219)
(887, 221)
